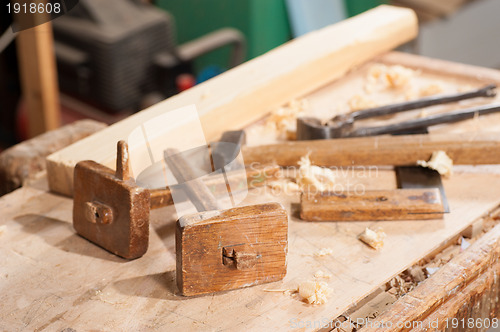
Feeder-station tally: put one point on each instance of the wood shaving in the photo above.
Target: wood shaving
(401, 286)
(358, 102)
(314, 178)
(394, 77)
(3, 230)
(314, 292)
(417, 273)
(440, 162)
(398, 76)
(284, 119)
(323, 252)
(322, 275)
(374, 239)
(430, 90)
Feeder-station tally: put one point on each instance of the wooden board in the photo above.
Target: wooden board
(248, 92)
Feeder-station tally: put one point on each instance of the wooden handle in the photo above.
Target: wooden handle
(463, 149)
(199, 194)
(254, 177)
(398, 204)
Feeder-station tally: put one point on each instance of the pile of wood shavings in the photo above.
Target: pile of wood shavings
(314, 292)
(314, 178)
(284, 120)
(323, 252)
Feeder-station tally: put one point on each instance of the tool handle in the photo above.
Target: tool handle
(432, 120)
(396, 204)
(487, 91)
(199, 194)
(254, 176)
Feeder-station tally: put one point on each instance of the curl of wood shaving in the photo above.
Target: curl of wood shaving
(398, 76)
(358, 102)
(323, 252)
(374, 239)
(314, 178)
(314, 292)
(401, 286)
(322, 275)
(431, 89)
(440, 162)
(394, 77)
(284, 119)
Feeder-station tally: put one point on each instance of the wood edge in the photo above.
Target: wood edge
(438, 66)
(450, 280)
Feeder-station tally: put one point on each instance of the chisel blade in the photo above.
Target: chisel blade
(416, 177)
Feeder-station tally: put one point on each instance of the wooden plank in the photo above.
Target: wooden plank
(37, 64)
(246, 93)
(463, 149)
(398, 204)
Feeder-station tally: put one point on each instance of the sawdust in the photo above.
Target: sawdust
(389, 77)
(314, 292)
(359, 102)
(312, 178)
(374, 239)
(323, 252)
(440, 162)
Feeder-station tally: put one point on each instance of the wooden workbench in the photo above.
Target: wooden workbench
(53, 279)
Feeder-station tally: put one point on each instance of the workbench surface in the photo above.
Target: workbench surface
(53, 279)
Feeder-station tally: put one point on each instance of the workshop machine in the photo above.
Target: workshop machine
(115, 53)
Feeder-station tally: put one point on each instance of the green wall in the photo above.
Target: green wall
(263, 22)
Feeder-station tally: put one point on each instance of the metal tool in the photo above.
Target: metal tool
(343, 125)
(221, 250)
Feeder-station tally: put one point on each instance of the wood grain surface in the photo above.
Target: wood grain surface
(397, 204)
(259, 230)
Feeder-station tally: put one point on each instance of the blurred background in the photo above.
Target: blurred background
(106, 59)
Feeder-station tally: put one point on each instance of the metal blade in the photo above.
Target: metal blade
(412, 177)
